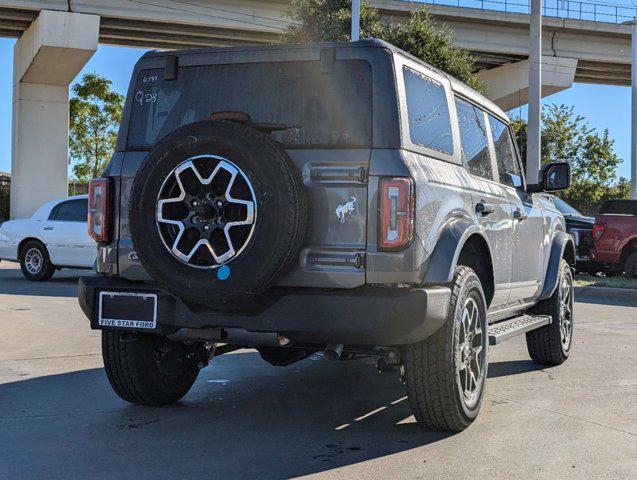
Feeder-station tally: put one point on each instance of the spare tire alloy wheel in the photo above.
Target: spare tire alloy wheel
(217, 214)
(206, 211)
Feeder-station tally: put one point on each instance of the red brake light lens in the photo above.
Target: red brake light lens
(98, 209)
(598, 231)
(396, 213)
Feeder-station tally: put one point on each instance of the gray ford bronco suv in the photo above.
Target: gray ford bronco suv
(343, 198)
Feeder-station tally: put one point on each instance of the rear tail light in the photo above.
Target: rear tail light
(598, 231)
(99, 216)
(396, 213)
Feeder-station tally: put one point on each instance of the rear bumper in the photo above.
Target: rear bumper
(362, 316)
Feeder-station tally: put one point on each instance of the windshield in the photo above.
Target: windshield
(565, 208)
(318, 108)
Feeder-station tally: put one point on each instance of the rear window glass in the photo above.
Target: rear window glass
(331, 109)
(428, 112)
(71, 211)
(619, 207)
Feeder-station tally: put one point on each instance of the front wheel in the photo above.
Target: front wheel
(147, 369)
(445, 374)
(551, 344)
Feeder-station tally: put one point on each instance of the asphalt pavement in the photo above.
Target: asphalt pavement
(245, 419)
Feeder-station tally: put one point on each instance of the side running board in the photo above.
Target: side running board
(501, 331)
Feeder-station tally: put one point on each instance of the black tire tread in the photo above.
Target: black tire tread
(134, 376)
(630, 267)
(544, 343)
(429, 375)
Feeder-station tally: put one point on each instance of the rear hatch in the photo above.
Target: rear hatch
(324, 110)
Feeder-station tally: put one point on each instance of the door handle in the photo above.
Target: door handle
(519, 215)
(485, 208)
(48, 228)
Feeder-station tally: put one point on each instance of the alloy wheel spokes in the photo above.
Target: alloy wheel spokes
(198, 211)
(33, 261)
(566, 311)
(470, 351)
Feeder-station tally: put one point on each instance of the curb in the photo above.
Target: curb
(625, 295)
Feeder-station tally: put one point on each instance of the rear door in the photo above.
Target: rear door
(527, 257)
(320, 111)
(491, 202)
(66, 237)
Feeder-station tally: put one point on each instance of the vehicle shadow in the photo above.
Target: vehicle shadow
(243, 419)
(62, 284)
(512, 367)
(621, 299)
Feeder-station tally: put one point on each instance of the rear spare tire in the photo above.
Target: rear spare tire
(217, 213)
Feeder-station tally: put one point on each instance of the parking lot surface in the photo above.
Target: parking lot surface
(330, 420)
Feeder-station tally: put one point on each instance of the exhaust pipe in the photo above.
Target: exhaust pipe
(333, 351)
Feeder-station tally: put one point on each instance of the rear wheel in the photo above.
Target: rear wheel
(35, 263)
(551, 344)
(630, 267)
(147, 369)
(445, 374)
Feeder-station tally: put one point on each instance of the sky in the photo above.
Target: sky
(603, 106)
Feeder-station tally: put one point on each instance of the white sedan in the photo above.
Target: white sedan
(56, 236)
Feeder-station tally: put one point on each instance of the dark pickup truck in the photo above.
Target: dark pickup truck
(615, 236)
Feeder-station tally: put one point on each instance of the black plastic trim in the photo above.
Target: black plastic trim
(361, 316)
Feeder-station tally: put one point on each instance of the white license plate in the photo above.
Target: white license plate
(128, 310)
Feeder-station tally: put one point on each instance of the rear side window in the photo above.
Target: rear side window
(508, 166)
(619, 207)
(428, 112)
(473, 139)
(70, 211)
(331, 109)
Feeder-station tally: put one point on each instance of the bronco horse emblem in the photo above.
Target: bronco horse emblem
(346, 209)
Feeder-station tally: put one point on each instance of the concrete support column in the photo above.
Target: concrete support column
(46, 59)
(508, 85)
(633, 117)
(535, 83)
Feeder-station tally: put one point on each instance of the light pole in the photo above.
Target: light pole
(356, 20)
(535, 94)
(633, 116)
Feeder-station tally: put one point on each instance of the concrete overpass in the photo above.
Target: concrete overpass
(57, 38)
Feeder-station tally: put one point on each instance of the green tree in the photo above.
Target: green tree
(95, 113)
(567, 136)
(4, 203)
(330, 20)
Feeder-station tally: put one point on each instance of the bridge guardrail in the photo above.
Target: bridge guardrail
(571, 9)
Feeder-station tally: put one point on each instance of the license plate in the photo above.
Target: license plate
(128, 310)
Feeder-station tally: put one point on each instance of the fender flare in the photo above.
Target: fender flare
(560, 241)
(441, 264)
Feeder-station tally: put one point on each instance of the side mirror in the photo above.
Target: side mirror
(553, 177)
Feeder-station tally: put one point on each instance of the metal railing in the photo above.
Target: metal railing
(572, 9)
